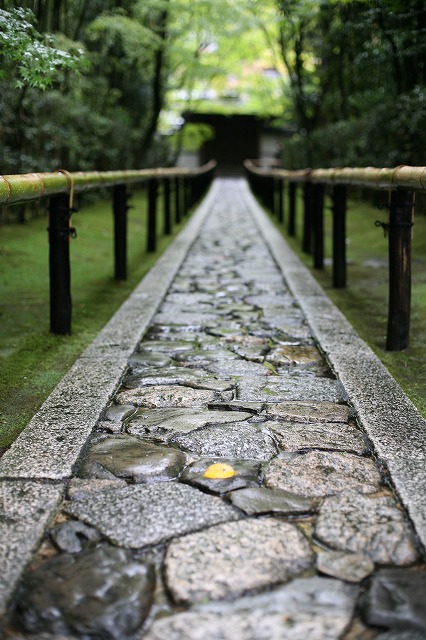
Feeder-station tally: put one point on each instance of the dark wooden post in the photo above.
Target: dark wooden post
(339, 235)
(318, 224)
(399, 230)
(177, 201)
(270, 185)
(152, 215)
(120, 231)
(186, 196)
(292, 209)
(167, 210)
(307, 217)
(280, 200)
(59, 265)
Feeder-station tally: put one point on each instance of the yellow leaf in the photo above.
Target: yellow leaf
(219, 471)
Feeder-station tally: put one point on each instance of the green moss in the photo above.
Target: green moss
(32, 360)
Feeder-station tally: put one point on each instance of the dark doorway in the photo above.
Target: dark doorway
(237, 137)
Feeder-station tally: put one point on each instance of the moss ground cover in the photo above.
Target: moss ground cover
(365, 299)
(32, 360)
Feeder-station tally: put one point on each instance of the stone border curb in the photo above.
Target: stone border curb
(50, 444)
(392, 422)
(27, 508)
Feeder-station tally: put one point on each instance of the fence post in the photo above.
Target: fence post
(120, 231)
(292, 209)
(280, 200)
(270, 186)
(152, 215)
(339, 235)
(177, 201)
(59, 265)
(399, 230)
(186, 196)
(167, 210)
(318, 224)
(307, 217)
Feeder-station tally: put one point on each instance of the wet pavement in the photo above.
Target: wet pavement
(229, 487)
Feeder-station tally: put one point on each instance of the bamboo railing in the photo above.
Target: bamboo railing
(16, 189)
(401, 184)
(186, 185)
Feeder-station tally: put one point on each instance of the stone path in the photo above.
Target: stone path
(214, 466)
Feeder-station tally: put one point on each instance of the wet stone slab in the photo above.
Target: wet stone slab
(203, 356)
(294, 329)
(72, 536)
(189, 299)
(318, 473)
(245, 340)
(260, 500)
(366, 524)
(155, 377)
(308, 411)
(118, 413)
(226, 330)
(250, 352)
(186, 377)
(351, 567)
(276, 300)
(184, 318)
(238, 368)
(308, 608)
(102, 593)
(230, 308)
(233, 440)
(140, 515)
(288, 387)
(245, 474)
(124, 456)
(289, 355)
(165, 423)
(166, 346)
(238, 405)
(396, 598)
(166, 396)
(164, 334)
(403, 634)
(143, 359)
(171, 308)
(330, 436)
(232, 559)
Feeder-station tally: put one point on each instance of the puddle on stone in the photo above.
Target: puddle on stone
(125, 456)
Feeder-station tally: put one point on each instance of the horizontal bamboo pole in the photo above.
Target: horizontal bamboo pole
(405, 177)
(15, 189)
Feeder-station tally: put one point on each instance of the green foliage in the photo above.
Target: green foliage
(348, 75)
(133, 39)
(193, 135)
(36, 60)
(104, 117)
(368, 65)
